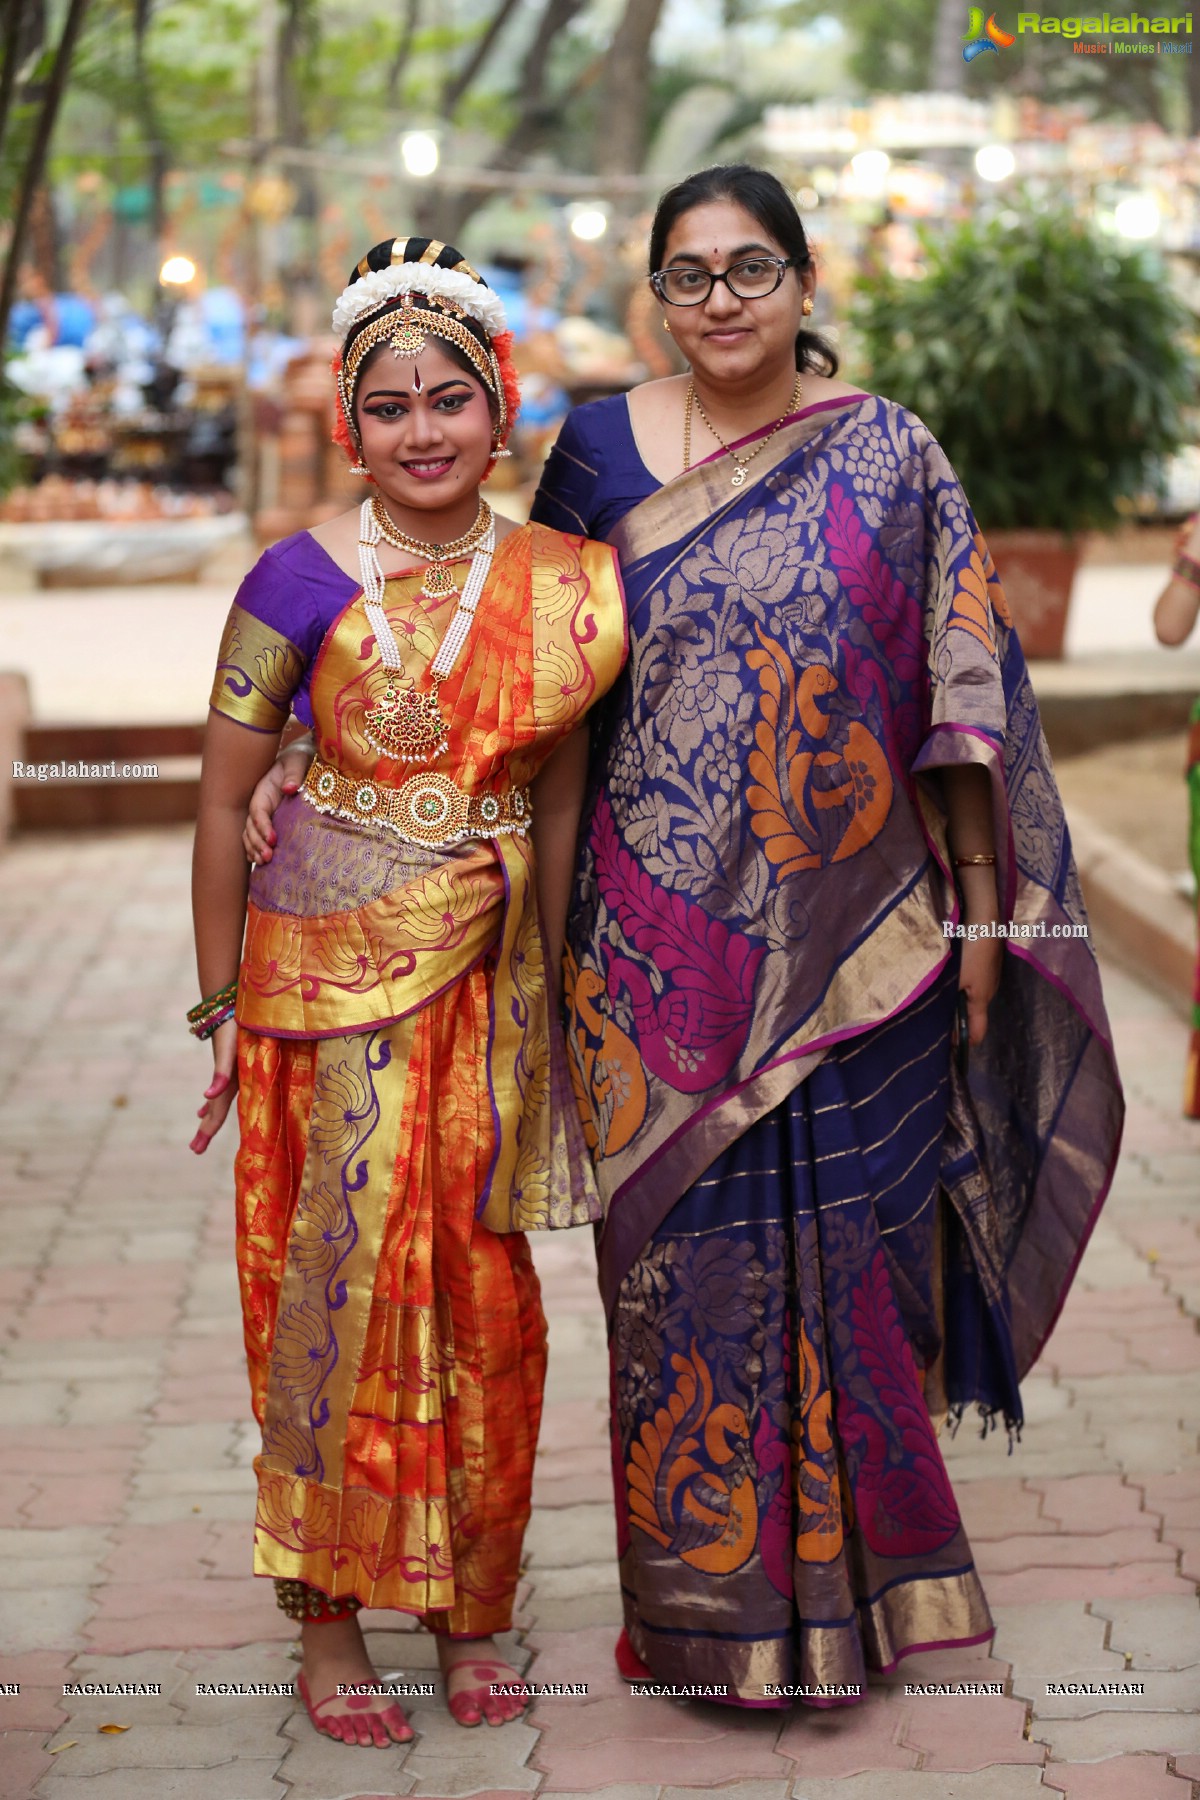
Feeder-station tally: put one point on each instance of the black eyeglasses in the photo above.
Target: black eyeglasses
(752, 279)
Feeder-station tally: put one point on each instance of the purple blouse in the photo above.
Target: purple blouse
(276, 626)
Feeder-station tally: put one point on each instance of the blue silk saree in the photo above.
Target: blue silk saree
(819, 1238)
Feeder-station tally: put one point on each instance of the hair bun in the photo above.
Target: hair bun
(430, 251)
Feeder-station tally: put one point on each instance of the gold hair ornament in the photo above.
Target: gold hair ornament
(406, 328)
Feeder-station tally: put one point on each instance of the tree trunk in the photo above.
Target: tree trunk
(537, 112)
(13, 21)
(947, 70)
(294, 41)
(151, 124)
(460, 84)
(408, 31)
(30, 176)
(626, 90)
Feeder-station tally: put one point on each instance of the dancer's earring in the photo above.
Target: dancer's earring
(359, 468)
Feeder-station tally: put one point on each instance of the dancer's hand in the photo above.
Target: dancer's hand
(220, 1093)
(284, 776)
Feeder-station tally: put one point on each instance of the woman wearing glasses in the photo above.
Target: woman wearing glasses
(823, 757)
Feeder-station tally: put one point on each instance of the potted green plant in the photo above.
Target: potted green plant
(1053, 367)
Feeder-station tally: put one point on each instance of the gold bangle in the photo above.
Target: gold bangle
(974, 862)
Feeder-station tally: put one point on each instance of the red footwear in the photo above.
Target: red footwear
(467, 1706)
(360, 1711)
(629, 1662)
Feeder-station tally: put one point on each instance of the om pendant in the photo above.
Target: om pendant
(405, 725)
(738, 479)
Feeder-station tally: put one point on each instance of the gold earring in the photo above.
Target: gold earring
(359, 468)
(807, 306)
(666, 324)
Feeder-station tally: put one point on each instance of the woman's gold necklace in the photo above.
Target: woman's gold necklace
(739, 474)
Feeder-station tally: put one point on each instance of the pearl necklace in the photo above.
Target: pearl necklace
(739, 476)
(404, 724)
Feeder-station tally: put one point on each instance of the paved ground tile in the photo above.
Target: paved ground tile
(1162, 1633)
(23, 1760)
(1120, 1778)
(1113, 1733)
(844, 1740)
(249, 1778)
(447, 1760)
(317, 1768)
(1004, 1782)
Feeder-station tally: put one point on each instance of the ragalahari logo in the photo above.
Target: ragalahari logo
(985, 37)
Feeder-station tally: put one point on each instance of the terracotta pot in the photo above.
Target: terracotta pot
(1037, 572)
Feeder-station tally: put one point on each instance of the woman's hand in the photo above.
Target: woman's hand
(982, 957)
(978, 978)
(221, 1091)
(284, 776)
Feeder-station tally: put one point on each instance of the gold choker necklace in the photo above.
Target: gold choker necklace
(439, 583)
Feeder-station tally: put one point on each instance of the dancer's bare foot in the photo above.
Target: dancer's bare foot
(336, 1655)
(471, 1667)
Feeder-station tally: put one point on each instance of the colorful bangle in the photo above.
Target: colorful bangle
(974, 862)
(1186, 568)
(204, 1018)
(213, 1023)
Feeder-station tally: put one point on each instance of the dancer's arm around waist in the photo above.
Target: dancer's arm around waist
(234, 761)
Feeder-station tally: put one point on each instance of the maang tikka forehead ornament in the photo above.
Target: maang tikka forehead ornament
(408, 290)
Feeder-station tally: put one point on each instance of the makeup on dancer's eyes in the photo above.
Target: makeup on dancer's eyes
(449, 396)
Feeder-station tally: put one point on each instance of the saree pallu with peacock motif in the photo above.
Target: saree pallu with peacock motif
(817, 1237)
(405, 1105)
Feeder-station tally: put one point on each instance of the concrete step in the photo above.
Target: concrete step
(74, 777)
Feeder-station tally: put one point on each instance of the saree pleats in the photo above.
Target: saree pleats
(397, 1345)
(784, 1513)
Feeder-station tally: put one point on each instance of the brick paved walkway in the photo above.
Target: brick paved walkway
(125, 1458)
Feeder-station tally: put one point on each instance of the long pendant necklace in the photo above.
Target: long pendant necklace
(404, 724)
(741, 462)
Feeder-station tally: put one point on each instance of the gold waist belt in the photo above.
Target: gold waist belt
(428, 809)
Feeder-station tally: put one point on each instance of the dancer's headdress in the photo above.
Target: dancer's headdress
(405, 290)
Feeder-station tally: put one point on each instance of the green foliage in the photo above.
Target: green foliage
(891, 40)
(14, 408)
(891, 50)
(1050, 364)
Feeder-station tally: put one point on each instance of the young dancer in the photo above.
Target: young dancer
(378, 998)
